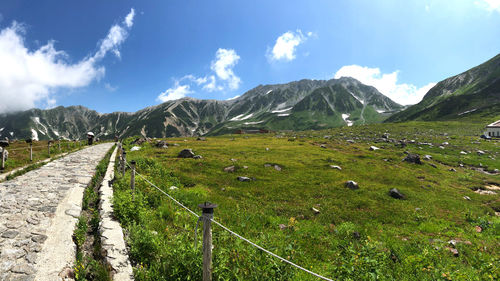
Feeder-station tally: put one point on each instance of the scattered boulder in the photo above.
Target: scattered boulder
(373, 148)
(173, 187)
(336, 167)
(201, 139)
(395, 193)
(230, 169)
(244, 179)
(275, 166)
(433, 165)
(282, 226)
(452, 169)
(139, 141)
(322, 146)
(413, 158)
(197, 157)
(351, 185)
(161, 144)
(135, 148)
(427, 157)
(463, 152)
(480, 152)
(186, 153)
(315, 211)
(453, 251)
(467, 198)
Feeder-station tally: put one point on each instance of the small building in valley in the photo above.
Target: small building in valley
(493, 129)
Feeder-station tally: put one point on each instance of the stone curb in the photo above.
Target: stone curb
(112, 240)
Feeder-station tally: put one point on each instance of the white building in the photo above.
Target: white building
(493, 129)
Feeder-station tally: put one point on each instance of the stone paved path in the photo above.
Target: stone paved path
(38, 212)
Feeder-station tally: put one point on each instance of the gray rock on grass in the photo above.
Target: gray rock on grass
(351, 184)
(186, 153)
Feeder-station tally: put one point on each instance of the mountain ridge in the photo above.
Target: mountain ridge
(265, 106)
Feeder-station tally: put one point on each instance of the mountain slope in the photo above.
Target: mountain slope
(299, 105)
(473, 92)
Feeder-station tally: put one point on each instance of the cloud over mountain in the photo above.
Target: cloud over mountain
(31, 77)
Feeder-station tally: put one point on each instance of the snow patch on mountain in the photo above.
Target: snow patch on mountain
(356, 97)
(282, 110)
(253, 123)
(37, 120)
(283, 114)
(34, 134)
(241, 117)
(345, 116)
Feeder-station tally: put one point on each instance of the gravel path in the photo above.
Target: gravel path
(38, 212)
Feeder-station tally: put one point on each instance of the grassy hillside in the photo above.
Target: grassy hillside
(361, 234)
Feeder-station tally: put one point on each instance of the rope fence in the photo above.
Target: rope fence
(49, 147)
(210, 219)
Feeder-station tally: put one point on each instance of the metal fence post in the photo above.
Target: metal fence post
(59, 145)
(207, 215)
(3, 158)
(132, 179)
(31, 151)
(48, 148)
(124, 159)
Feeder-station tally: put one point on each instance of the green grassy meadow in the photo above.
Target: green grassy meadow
(361, 234)
(19, 153)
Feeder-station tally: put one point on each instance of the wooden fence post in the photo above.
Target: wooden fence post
(132, 179)
(207, 215)
(3, 158)
(59, 145)
(48, 148)
(124, 157)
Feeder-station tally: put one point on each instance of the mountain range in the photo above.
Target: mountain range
(473, 93)
(298, 105)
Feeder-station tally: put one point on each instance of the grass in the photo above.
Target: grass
(359, 234)
(19, 152)
(90, 263)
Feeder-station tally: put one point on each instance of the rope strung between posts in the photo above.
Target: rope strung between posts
(229, 230)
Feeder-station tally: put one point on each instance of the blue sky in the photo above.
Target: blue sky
(126, 55)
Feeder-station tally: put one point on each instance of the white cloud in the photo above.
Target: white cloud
(387, 84)
(116, 35)
(129, 19)
(225, 60)
(174, 93)
(30, 77)
(223, 77)
(490, 5)
(109, 87)
(286, 45)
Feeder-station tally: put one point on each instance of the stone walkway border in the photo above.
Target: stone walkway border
(112, 240)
